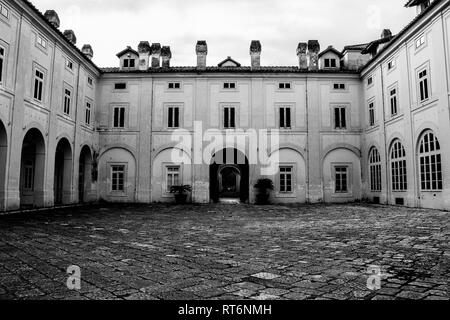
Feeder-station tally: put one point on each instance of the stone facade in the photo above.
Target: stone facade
(88, 134)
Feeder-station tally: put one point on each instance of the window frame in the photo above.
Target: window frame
(118, 191)
(174, 85)
(223, 116)
(423, 79)
(338, 86)
(330, 62)
(346, 118)
(166, 167)
(120, 89)
(286, 125)
(393, 101)
(127, 63)
(90, 81)
(69, 65)
(283, 176)
(398, 166)
(420, 42)
(41, 42)
(431, 177)
(28, 179)
(41, 91)
(229, 86)
(174, 119)
(284, 86)
(375, 170)
(67, 100)
(372, 114)
(88, 111)
(347, 190)
(122, 117)
(370, 81)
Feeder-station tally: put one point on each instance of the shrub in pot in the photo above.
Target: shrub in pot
(180, 193)
(263, 187)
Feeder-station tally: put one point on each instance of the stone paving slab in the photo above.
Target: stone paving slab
(296, 252)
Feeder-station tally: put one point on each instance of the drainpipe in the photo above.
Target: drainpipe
(308, 195)
(74, 169)
(386, 147)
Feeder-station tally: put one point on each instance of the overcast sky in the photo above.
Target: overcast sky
(227, 25)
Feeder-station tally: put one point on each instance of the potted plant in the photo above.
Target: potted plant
(263, 187)
(181, 193)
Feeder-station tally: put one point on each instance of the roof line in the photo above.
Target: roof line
(41, 15)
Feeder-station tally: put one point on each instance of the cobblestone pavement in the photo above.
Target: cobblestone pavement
(226, 252)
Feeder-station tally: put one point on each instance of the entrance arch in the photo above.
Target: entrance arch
(32, 172)
(3, 158)
(85, 175)
(62, 187)
(229, 175)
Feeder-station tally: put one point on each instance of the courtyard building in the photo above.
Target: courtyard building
(365, 123)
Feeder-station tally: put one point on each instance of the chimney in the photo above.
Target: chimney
(302, 56)
(87, 51)
(166, 55)
(202, 51)
(69, 34)
(386, 33)
(144, 50)
(255, 53)
(52, 17)
(313, 54)
(156, 55)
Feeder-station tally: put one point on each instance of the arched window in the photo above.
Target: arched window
(398, 167)
(375, 170)
(430, 162)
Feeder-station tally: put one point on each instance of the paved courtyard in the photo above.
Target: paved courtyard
(226, 252)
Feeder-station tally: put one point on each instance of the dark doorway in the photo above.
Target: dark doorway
(63, 173)
(32, 170)
(229, 176)
(84, 175)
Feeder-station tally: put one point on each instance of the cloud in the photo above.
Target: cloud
(227, 25)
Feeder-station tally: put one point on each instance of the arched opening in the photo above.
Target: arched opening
(85, 175)
(3, 158)
(229, 176)
(32, 171)
(63, 173)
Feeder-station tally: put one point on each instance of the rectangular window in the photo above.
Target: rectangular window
(28, 184)
(420, 41)
(67, 101)
(2, 59)
(340, 118)
(88, 113)
(69, 64)
(119, 117)
(371, 114)
(229, 85)
(38, 85)
(284, 86)
(118, 178)
(339, 86)
(174, 85)
(424, 90)
(4, 11)
(391, 64)
(174, 117)
(41, 41)
(286, 174)
(394, 103)
(285, 118)
(330, 63)
(172, 177)
(129, 63)
(341, 179)
(370, 81)
(120, 86)
(229, 117)
(90, 81)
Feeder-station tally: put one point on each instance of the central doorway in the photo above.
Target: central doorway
(229, 176)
